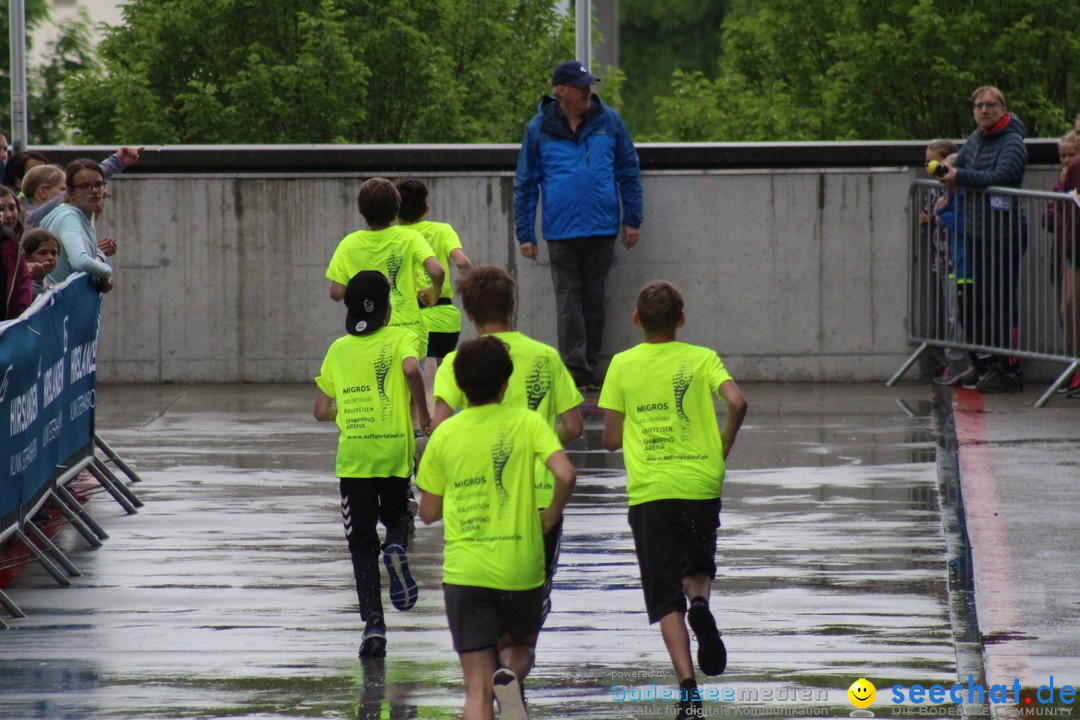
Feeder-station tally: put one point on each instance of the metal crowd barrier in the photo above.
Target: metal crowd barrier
(48, 362)
(992, 271)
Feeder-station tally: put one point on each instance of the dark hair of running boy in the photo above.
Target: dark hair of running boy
(378, 201)
(659, 307)
(413, 200)
(487, 294)
(482, 367)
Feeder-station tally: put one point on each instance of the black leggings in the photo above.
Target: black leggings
(365, 502)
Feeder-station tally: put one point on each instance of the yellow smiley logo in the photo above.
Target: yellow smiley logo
(862, 693)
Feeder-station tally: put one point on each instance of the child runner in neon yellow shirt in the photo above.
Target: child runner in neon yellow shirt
(441, 320)
(478, 476)
(658, 407)
(398, 253)
(365, 385)
(540, 382)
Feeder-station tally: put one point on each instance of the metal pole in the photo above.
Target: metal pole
(583, 32)
(17, 24)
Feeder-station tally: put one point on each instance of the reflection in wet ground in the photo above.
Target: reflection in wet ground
(230, 593)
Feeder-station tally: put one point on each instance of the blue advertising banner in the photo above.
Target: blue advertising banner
(48, 360)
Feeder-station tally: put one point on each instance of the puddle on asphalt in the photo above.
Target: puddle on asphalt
(230, 593)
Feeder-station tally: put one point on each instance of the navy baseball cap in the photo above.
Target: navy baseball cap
(572, 72)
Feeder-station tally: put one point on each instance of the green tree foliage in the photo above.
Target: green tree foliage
(878, 69)
(658, 37)
(318, 71)
(69, 53)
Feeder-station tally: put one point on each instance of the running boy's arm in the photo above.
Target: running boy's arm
(437, 275)
(443, 411)
(415, 381)
(325, 409)
(613, 428)
(430, 507)
(569, 427)
(460, 260)
(565, 478)
(337, 291)
(736, 411)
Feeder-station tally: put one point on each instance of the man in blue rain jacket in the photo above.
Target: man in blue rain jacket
(578, 155)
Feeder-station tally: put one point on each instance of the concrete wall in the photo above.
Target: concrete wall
(789, 274)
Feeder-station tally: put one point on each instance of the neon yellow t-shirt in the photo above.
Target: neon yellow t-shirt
(443, 240)
(481, 461)
(671, 440)
(539, 382)
(399, 254)
(364, 375)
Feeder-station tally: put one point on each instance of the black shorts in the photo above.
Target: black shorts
(673, 539)
(441, 344)
(479, 616)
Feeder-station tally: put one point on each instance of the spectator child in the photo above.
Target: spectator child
(39, 204)
(937, 242)
(658, 407)
(41, 184)
(42, 250)
(540, 382)
(362, 385)
(72, 223)
(18, 166)
(442, 321)
(478, 475)
(15, 282)
(955, 290)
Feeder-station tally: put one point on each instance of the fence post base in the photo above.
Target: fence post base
(11, 607)
(76, 507)
(112, 489)
(58, 576)
(52, 550)
(116, 459)
(124, 489)
(76, 522)
(907, 364)
(1062, 379)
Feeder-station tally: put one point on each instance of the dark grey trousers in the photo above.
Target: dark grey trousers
(579, 270)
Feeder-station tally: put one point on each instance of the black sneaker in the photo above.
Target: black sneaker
(712, 655)
(689, 705)
(373, 641)
(997, 380)
(510, 695)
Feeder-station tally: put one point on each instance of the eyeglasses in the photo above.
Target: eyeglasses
(986, 105)
(87, 187)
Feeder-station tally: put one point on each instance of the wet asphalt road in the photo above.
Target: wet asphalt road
(230, 594)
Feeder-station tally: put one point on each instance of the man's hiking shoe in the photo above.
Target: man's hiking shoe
(510, 695)
(711, 653)
(403, 590)
(373, 641)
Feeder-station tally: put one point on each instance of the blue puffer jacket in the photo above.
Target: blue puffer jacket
(996, 158)
(582, 178)
(993, 158)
